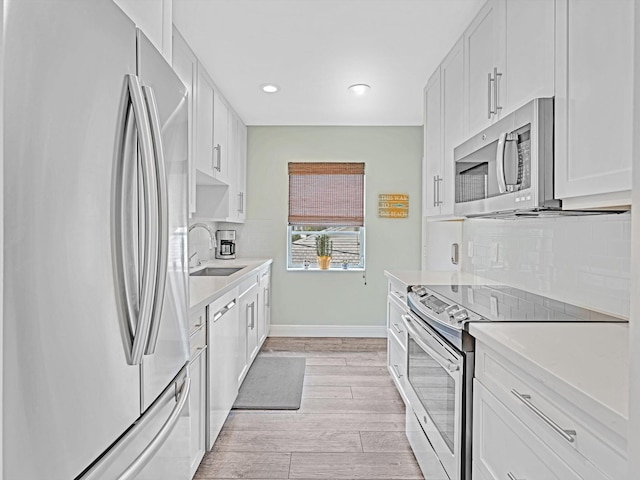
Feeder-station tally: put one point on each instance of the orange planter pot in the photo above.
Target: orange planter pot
(323, 263)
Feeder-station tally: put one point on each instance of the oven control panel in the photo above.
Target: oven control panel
(441, 309)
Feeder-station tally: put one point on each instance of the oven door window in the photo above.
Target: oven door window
(436, 390)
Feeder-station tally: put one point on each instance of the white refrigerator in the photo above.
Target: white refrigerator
(95, 257)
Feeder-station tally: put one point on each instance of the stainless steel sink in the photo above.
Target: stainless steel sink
(216, 271)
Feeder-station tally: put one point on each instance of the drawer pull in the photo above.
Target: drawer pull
(398, 329)
(397, 370)
(568, 435)
(511, 476)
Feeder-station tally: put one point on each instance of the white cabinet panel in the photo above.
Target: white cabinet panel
(482, 56)
(223, 344)
(432, 146)
(264, 306)
(197, 408)
(222, 167)
(185, 65)
(452, 103)
(444, 130)
(594, 88)
(503, 448)
(529, 52)
(204, 154)
(154, 18)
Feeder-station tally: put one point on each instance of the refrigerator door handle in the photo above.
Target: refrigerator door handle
(137, 295)
(158, 440)
(150, 251)
(163, 218)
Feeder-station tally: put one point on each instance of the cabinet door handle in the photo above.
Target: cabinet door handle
(241, 202)
(218, 157)
(398, 329)
(397, 370)
(438, 180)
(511, 476)
(489, 110)
(496, 76)
(435, 198)
(568, 435)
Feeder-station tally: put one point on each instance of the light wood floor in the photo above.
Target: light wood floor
(350, 424)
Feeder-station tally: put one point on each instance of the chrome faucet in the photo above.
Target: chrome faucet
(212, 235)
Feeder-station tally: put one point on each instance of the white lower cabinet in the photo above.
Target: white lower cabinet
(248, 326)
(264, 305)
(223, 343)
(197, 399)
(524, 429)
(397, 337)
(503, 448)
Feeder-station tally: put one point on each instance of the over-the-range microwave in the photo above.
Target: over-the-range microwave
(508, 167)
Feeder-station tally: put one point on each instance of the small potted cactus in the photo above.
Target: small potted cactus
(324, 249)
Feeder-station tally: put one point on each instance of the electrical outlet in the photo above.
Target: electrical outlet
(470, 295)
(470, 249)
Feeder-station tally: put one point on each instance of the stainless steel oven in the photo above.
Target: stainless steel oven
(436, 374)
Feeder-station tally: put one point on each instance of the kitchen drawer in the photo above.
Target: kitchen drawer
(248, 283)
(197, 320)
(197, 342)
(396, 327)
(398, 290)
(504, 448)
(397, 364)
(577, 438)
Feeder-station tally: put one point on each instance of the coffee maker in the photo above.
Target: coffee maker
(226, 248)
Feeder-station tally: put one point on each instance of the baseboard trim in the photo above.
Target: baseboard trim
(327, 331)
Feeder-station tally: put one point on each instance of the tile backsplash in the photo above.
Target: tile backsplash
(584, 260)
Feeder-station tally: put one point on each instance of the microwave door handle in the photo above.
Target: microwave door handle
(502, 182)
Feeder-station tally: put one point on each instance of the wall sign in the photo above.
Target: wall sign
(393, 205)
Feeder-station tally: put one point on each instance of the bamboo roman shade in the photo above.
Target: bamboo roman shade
(326, 193)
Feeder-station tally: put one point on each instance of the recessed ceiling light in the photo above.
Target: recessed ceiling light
(359, 88)
(270, 88)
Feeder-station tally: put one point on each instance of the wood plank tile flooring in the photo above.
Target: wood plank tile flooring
(350, 424)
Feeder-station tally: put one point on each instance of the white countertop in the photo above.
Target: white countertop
(588, 363)
(203, 290)
(435, 277)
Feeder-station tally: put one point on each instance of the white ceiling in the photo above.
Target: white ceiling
(315, 49)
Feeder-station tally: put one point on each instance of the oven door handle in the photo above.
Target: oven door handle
(450, 365)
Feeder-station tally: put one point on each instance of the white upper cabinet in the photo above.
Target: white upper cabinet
(185, 65)
(154, 18)
(483, 62)
(593, 107)
(509, 59)
(452, 104)
(444, 130)
(432, 147)
(204, 146)
(221, 165)
(528, 52)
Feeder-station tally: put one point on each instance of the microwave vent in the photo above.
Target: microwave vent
(471, 187)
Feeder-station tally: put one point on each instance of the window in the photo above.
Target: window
(326, 198)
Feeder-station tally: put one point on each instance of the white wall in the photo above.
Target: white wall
(580, 260)
(305, 303)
